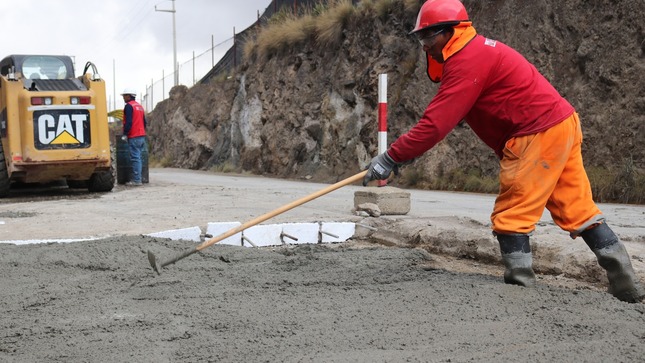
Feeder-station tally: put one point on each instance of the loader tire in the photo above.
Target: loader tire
(102, 181)
(5, 183)
(77, 184)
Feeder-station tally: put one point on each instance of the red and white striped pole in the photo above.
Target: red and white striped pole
(382, 118)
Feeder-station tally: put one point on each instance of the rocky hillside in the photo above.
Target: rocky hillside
(311, 111)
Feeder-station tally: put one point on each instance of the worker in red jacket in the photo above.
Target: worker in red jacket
(533, 130)
(134, 129)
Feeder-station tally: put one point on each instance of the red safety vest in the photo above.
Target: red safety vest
(138, 114)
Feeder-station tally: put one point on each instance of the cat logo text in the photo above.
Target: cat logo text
(62, 129)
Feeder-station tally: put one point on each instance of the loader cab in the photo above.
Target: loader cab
(44, 67)
(31, 69)
(47, 66)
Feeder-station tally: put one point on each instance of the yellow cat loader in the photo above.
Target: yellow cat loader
(53, 125)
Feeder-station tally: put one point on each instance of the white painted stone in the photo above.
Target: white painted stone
(216, 229)
(188, 234)
(305, 232)
(344, 231)
(264, 235)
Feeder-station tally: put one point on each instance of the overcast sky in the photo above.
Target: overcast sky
(130, 35)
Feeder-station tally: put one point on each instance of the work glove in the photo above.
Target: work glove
(380, 168)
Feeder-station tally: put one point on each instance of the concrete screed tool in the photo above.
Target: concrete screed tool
(158, 266)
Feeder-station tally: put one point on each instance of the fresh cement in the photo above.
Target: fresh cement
(100, 301)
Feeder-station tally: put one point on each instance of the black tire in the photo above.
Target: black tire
(77, 184)
(5, 183)
(102, 181)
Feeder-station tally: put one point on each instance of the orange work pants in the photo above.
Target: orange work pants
(545, 170)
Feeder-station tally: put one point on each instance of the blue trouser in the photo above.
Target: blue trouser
(136, 148)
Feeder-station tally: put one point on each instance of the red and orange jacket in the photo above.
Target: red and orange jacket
(495, 90)
(134, 120)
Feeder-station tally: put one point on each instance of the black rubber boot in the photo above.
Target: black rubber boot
(516, 253)
(613, 257)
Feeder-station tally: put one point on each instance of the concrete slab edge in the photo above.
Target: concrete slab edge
(256, 236)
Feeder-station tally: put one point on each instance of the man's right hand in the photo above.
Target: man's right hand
(380, 168)
(124, 137)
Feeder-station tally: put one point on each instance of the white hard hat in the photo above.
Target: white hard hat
(129, 91)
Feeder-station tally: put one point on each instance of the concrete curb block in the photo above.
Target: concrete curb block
(264, 235)
(216, 228)
(342, 231)
(307, 233)
(188, 234)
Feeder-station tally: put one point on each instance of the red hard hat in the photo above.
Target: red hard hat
(439, 12)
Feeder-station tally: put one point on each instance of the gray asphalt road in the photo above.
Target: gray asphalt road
(178, 198)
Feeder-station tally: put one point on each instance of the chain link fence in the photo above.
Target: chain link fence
(202, 67)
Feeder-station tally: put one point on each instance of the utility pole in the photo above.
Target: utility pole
(114, 83)
(174, 41)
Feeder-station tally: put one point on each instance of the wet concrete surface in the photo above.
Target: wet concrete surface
(100, 301)
(425, 287)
